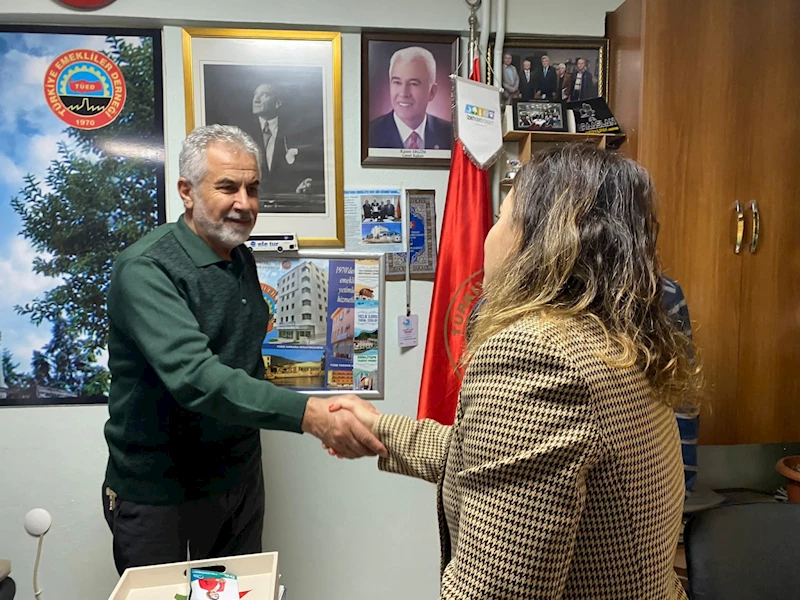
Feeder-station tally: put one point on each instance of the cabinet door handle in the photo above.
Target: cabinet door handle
(739, 227)
(756, 226)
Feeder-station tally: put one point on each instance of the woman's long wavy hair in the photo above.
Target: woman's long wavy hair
(586, 248)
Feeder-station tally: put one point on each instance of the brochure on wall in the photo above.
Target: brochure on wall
(367, 324)
(325, 334)
(374, 220)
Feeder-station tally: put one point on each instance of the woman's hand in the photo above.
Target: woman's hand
(363, 411)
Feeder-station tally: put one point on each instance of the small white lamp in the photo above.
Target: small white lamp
(37, 523)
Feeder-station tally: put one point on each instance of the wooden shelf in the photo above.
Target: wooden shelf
(562, 136)
(527, 139)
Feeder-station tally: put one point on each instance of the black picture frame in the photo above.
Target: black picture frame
(537, 115)
(593, 116)
(372, 96)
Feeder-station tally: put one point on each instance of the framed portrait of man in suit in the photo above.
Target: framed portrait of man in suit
(406, 99)
(554, 69)
(283, 88)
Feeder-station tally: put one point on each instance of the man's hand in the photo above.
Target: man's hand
(364, 412)
(340, 430)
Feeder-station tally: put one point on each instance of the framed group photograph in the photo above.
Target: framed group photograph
(406, 105)
(283, 88)
(556, 69)
(538, 115)
(325, 334)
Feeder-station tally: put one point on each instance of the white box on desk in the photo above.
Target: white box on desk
(257, 574)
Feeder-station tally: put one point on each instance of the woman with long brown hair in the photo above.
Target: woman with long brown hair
(562, 475)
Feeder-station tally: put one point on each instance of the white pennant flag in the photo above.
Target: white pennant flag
(477, 120)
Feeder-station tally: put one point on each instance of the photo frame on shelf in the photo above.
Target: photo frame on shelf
(554, 68)
(406, 99)
(538, 115)
(326, 333)
(283, 88)
(593, 116)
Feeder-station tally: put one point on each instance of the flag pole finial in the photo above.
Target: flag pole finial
(474, 5)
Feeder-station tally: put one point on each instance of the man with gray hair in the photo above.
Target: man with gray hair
(564, 82)
(546, 81)
(188, 395)
(412, 85)
(511, 80)
(527, 82)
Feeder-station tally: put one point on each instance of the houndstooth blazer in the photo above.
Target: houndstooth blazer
(561, 477)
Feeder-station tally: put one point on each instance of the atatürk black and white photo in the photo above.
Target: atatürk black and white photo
(283, 88)
(281, 108)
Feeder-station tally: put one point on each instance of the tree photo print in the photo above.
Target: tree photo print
(81, 179)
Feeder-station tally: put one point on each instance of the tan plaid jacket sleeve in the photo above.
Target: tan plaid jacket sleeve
(527, 438)
(517, 458)
(560, 479)
(416, 448)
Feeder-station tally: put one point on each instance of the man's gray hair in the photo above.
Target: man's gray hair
(193, 162)
(414, 53)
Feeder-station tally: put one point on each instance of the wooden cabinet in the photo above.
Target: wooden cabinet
(707, 92)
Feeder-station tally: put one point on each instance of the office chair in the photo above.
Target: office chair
(7, 589)
(744, 552)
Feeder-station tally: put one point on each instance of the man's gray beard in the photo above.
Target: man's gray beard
(227, 235)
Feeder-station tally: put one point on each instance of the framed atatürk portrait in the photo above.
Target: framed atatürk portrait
(283, 88)
(557, 69)
(406, 99)
(538, 115)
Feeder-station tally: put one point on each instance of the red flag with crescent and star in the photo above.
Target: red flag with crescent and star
(457, 286)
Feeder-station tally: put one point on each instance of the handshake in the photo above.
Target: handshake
(345, 424)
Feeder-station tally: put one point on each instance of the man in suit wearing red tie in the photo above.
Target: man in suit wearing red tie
(412, 83)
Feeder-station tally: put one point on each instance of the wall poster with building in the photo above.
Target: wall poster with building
(325, 333)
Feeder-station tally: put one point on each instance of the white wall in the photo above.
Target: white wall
(343, 530)
(575, 17)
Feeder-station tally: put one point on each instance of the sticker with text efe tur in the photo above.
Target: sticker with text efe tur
(85, 89)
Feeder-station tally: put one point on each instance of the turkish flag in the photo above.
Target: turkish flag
(457, 286)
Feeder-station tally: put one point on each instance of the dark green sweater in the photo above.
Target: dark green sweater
(188, 394)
